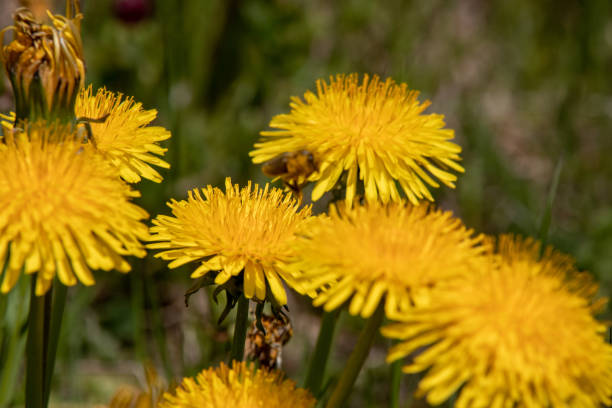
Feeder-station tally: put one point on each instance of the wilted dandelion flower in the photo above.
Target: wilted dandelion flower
(244, 232)
(239, 387)
(44, 63)
(516, 333)
(393, 253)
(373, 131)
(64, 211)
(121, 133)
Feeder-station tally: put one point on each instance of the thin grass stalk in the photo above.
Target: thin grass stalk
(547, 216)
(318, 363)
(357, 358)
(172, 39)
(240, 329)
(157, 322)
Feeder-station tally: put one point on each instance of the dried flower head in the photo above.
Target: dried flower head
(45, 64)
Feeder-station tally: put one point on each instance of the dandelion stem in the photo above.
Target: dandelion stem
(396, 379)
(356, 359)
(240, 329)
(57, 313)
(35, 350)
(13, 355)
(318, 362)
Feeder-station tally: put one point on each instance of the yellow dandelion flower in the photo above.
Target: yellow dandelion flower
(239, 387)
(244, 232)
(524, 254)
(397, 252)
(374, 131)
(121, 133)
(514, 334)
(64, 211)
(147, 396)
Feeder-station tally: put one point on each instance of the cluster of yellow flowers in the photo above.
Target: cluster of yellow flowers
(65, 158)
(496, 321)
(490, 319)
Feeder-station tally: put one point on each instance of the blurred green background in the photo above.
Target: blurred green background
(524, 84)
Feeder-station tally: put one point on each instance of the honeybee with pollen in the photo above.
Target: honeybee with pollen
(293, 168)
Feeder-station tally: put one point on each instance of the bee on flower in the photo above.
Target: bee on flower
(294, 168)
(374, 133)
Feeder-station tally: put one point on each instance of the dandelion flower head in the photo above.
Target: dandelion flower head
(395, 252)
(244, 232)
(64, 211)
(121, 133)
(240, 386)
(374, 131)
(512, 334)
(147, 396)
(524, 254)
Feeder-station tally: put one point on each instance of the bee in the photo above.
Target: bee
(293, 168)
(266, 346)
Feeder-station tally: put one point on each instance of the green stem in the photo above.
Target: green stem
(356, 360)
(396, 380)
(13, 355)
(240, 329)
(318, 362)
(57, 313)
(35, 349)
(3, 318)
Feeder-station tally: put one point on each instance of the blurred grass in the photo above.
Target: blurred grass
(522, 83)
